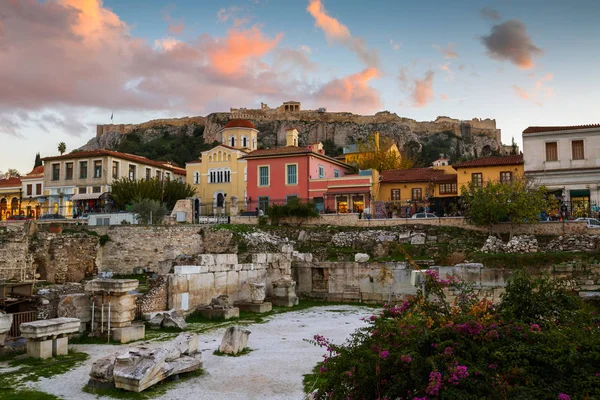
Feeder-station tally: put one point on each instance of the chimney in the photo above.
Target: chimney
(291, 137)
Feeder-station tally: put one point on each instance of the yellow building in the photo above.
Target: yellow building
(220, 175)
(486, 169)
(406, 191)
(355, 153)
(10, 197)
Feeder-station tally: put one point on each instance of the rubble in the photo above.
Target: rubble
(361, 257)
(358, 238)
(518, 244)
(139, 368)
(167, 319)
(234, 340)
(574, 243)
(219, 308)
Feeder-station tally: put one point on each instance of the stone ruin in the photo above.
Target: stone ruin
(219, 308)
(234, 341)
(114, 309)
(518, 244)
(136, 369)
(49, 337)
(257, 303)
(166, 319)
(5, 324)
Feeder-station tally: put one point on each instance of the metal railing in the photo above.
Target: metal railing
(18, 319)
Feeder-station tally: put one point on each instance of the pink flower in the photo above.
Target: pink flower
(435, 382)
(535, 328)
(564, 396)
(384, 354)
(448, 351)
(493, 366)
(406, 358)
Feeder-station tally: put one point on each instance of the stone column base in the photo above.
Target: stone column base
(255, 308)
(60, 346)
(40, 349)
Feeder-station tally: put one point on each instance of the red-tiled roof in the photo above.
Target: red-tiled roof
(417, 175)
(124, 156)
(536, 129)
(290, 151)
(36, 173)
(10, 182)
(491, 161)
(239, 123)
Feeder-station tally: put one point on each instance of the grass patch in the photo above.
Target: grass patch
(246, 350)
(31, 370)
(528, 260)
(152, 392)
(85, 339)
(239, 229)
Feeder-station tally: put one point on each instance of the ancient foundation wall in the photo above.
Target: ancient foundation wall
(541, 228)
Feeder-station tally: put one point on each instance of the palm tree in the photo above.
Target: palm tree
(62, 147)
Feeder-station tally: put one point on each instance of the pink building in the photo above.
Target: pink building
(278, 174)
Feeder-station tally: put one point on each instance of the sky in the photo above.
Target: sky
(67, 65)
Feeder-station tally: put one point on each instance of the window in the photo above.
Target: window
(395, 195)
(132, 172)
(336, 173)
(263, 203)
(253, 143)
(263, 173)
(98, 169)
(448, 188)
(244, 141)
(245, 174)
(290, 197)
(292, 174)
(321, 171)
(417, 194)
(82, 190)
(232, 141)
(96, 189)
(69, 171)
(196, 178)
(477, 179)
(55, 172)
(158, 175)
(82, 169)
(115, 170)
(551, 151)
(29, 190)
(505, 176)
(168, 176)
(577, 149)
(148, 174)
(38, 189)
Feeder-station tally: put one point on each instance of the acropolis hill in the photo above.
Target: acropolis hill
(463, 138)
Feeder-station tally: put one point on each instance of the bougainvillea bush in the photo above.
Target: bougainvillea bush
(539, 342)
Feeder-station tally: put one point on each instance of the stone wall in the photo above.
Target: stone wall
(15, 259)
(156, 297)
(222, 274)
(541, 228)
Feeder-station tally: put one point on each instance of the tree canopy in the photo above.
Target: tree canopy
(126, 192)
(38, 161)
(517, 202)
(62, 147)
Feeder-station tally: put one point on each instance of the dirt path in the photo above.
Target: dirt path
(273, 370)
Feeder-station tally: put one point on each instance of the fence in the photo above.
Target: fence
(18, 319)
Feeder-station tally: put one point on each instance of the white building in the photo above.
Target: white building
(566, 159)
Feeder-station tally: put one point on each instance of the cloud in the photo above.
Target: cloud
(547, 77)
(395, 46)
(522, 93)
(352, 93)
(335, 31)
(166, 44)
(509, 41)
(294, 59)
(489, 14)
(443, 96)
(423, 92)
(306, 49)
(175, 27)
(224, 14)
(448, 51)
(446, 68)
(419, 90)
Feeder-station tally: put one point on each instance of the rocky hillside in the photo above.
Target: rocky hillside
(455, 138)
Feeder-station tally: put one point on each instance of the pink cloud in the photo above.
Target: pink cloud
(522, 93)
(335, 31)
(547, 77)
(443, 96)
(510, 41)
(423, 92)
(352, 93)
(448, 51)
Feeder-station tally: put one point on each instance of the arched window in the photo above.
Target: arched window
(244, 141)
(196, 178)
(209, 158)
(253, 143)
(232, 141)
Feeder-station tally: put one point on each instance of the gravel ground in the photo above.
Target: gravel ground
(273, 370)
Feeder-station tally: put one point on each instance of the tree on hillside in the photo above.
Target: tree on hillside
(378, 156)
(38, 161)
(12, 173)
(62, 147)
(126, 192)
(513, 147)
(517, 202)
(150, 212)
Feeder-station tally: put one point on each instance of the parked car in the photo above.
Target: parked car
(591, 222)
(424, 215)
(51, 216)
(18, 218)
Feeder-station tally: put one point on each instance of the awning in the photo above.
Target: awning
(580, 193)
(87, 196)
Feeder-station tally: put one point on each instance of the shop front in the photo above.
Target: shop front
(348, 201)
(87, 203)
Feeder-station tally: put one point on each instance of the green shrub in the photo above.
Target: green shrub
(104, 239)
(539, 342)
